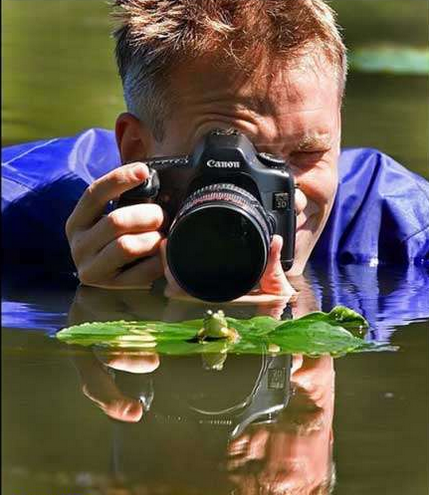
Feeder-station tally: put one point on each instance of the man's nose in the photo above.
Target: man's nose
(300, 200)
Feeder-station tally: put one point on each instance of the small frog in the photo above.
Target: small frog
(215, 326)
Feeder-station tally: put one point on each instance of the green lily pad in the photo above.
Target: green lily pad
(336, 333)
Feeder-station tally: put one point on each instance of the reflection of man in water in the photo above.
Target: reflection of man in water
(292, 454)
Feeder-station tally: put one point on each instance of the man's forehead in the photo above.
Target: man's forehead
(290, 109)
(288, 91)
(302, 109)
(312, 125)
(262, 88)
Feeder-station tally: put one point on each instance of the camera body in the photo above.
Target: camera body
(225, 183)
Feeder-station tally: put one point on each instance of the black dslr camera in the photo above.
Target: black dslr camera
(226, 201)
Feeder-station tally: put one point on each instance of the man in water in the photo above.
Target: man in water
(274, 70)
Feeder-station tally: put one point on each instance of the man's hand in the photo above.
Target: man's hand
(100, 387)
(102, 245)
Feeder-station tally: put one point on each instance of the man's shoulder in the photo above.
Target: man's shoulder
(41, 184)
(378, 179)
(380, 214)
(365, 163)
(88, 155)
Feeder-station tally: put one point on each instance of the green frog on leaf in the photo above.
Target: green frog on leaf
(215, 326)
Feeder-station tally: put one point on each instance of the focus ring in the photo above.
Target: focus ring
(231, 194)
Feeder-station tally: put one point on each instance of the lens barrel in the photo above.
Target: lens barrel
(219, 242)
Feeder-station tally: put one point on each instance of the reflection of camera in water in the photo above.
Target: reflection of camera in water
(231, 399)
(191, 415)
(230, 203)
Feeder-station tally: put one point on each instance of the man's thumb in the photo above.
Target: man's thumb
(274, 280)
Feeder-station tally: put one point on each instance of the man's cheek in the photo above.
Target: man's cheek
(327, 188)
(319, 185)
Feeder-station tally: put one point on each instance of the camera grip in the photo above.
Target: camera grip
(287, 229)
(143, 193)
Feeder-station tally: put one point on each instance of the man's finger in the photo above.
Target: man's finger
(93, 201)
(274, 280)
(310, 366)
(316, 379)
(134, 219)
(131, 362)
(274, 308)
(94, 304)
(239, 445)
(118, 253)
(101, 389)
(140, 276)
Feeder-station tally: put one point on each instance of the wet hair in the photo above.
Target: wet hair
(153, 37)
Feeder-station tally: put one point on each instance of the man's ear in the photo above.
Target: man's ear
(340, 128)
(134, 140)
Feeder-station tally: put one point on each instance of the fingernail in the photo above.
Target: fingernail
(133, 412)
(140, 171)
(279, 242)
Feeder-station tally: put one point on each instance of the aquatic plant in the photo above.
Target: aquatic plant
(336, 333)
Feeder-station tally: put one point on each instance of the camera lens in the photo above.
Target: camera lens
(219, 242)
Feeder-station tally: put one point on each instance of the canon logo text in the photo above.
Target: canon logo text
(218, 164)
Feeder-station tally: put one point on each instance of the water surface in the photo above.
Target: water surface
(62, 403)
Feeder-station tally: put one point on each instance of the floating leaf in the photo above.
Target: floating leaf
(315, 334)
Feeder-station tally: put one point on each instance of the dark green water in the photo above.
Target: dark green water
(61, 403)
(55, 440)
(58, 78)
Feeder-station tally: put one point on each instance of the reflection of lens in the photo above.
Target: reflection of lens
(227, 391)
(219, 242)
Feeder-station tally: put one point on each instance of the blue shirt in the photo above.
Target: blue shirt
(380, 217)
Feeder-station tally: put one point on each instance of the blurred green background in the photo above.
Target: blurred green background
(59, 74)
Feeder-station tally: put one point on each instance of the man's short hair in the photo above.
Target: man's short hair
(155, 36)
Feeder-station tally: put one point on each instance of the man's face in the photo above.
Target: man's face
(294, 114)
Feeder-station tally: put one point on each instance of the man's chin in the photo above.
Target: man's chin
(301, 259)
(296, 270)
(306, 239)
